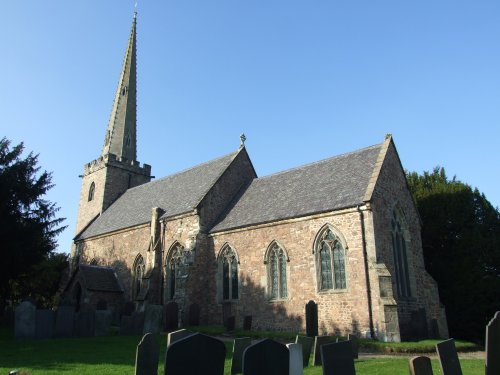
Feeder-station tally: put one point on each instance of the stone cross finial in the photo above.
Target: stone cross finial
(242, 139)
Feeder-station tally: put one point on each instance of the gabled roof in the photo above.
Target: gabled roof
(323, 186)
(176, 194)
(99, 278)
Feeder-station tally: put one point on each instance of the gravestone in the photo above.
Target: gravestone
(448, 358)
(353, 338)
(65, 321)
(126, 326)
(194, 315)
(247, 323)
(152, 319)
(311, 319)
(103, 320)
(420, 366)
(85, 321)
(128, 308)
(137, 322)
(295, 359)
(177, 335)
(230, 323)
(307, 345)
(493, 345)
(337, 358)
(266, 357)
(24, 324)
(44, 324)
(318, 342)
(239, 346)
(147, 355)
(195, 354)
(171, 316)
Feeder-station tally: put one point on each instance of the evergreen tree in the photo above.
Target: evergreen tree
(461, 243)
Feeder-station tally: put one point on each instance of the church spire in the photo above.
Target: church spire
(120, 138)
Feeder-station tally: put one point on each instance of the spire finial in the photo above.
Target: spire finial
(242, 140)
(135, 9)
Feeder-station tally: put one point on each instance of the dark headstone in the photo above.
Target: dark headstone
(295, 359)
(195, 354)
(420, 366)
(493, 345)
(44, 326)
(85, 321)
(152, 319)
(65, 321)
(194, 315)
(230, 323)
(247, 323)
(24, 326)
(101, 305)
(177, 335)
(239, 346)
(126, 326)
(147, 355)
(266, 357)
(311, 319)
(171, 316)
(307, 345)
(318, 342)
(337, 358)
(103, 320)
(448, 358)
(128, 308)
(353, 338)
(137, 322)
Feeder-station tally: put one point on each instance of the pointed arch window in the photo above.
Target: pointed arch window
(174, 269)
(228, 265)
(137, 275)
(399, 249)
(330, 262)
(276, 259)
(91, 191)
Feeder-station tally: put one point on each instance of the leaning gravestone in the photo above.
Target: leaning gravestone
(239, 346)
(65, 320)
(44, 324)
(24, 324)
(266, 357)
(152, 319)
(307, 344)
(295, 363)
(353, 338)
(311, 319)
(195, 354)
(318, 342)
(147, 355)
(493, 345)
(448, 358)
(177, 335)
(194, 315)
(337, 359)
(171, 316)
(420, 366)
(85, 321)
(103, 320)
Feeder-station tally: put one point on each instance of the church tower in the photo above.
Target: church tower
(116, 169)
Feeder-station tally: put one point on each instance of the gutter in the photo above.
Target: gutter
(367, 276)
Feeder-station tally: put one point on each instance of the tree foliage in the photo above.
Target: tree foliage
(29, 225)
(461, 243)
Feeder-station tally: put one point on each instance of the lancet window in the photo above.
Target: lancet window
(91, 191)
(330, 262)
(228, 264)
(276, 260)
(399, 248)
(174, 269)
(137, 275)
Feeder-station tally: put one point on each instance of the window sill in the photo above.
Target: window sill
(333, 291)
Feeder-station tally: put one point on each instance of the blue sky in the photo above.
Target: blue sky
(304, 80)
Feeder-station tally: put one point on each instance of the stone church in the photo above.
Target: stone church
(343, 232)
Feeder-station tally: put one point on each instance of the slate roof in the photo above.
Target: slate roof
(323, 186)
(176, 194)
(99, 278)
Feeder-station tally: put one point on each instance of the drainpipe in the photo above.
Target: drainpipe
(365, 258)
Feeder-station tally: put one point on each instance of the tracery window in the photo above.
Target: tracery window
(228, 263)
(276, 260)
(137, 275)
(174, 269)
(330, 262)
(399, 248)
(91, 191)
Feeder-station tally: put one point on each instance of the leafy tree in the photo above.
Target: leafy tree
(29, 226)
(461, 243)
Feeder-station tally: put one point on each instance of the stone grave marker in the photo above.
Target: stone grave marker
(266, 357)
(24, 323)
(44, 324)
(448, 358)
(247, 323)
(171, 316)
(420, 366)
(230, 323)
(239, 346)
(194, 315)
(152, 319)
(85, 321)
(147, 355)
(65, 321)
(337, 358)
(311, 319)
(137, 322)
(177, 335)
(318, 342)
(195, 354)
(296, 361)
(353, 338)
(103, 320)
(493, 345)
(307, 345)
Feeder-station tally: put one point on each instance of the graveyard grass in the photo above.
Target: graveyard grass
(116, 355)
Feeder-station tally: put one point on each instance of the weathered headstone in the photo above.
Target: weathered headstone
(448, 358)
(24, 325)
(318, 342)
(103, 320)
(177, 335)
(353, 338)
(195, 354)
(307, 345)
(311, 319)
(420, 366)
(295, 363)
(152, 319)
(85, 321)
(171, 316)
(493, 345)
(126, 325)
(44, 324)
(247, 323)
(337, 358)
(147, 355)
(239, 346)
(137, 322)
(266, 357)
(65, 321)
(230, 323)
(194, 315)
